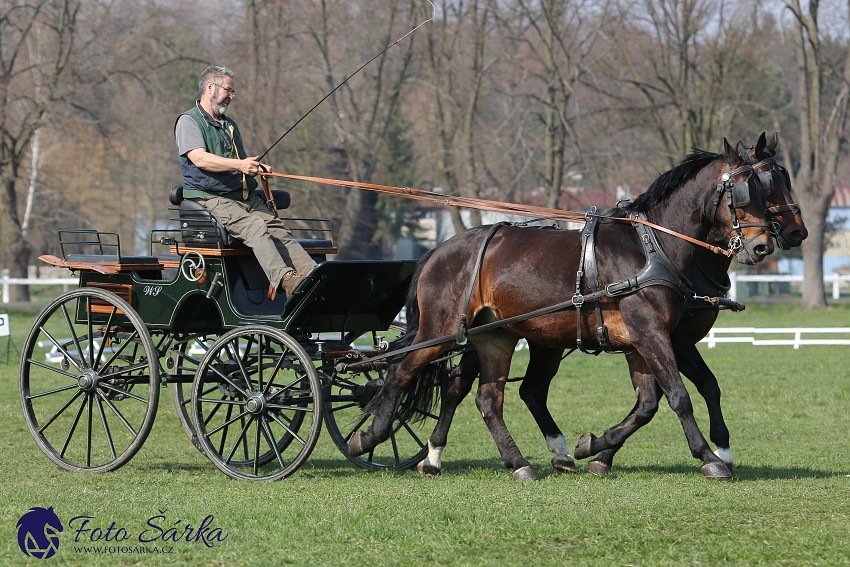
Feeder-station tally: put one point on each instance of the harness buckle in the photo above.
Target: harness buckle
(578, 299)
(736, 243)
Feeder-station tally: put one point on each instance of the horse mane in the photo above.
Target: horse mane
(667, 183)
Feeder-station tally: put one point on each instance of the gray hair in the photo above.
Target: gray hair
(210, 73)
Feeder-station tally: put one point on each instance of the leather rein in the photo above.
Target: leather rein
(495, 206)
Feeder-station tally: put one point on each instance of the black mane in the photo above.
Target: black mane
(667, 183)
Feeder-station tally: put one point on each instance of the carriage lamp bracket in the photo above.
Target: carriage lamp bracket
(214, 285)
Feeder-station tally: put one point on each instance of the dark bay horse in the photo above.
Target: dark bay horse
(492, 274)
(710, 280)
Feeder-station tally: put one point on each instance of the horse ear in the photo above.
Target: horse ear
(760, 145)
(741, 150)
(771, 145)
(732, 157)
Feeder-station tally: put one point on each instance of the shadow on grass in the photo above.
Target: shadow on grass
(742, 472)
(342, 468)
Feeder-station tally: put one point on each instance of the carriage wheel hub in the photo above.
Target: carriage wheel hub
(256, 404)
(88, 380)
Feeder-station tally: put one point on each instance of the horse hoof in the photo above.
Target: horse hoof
(355, 445)
(563, 464)
(598, 468)
(716, 470)
(583, 450)
(525, 473)
(427, 470)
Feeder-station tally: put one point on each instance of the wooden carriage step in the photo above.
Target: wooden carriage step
(104, 264)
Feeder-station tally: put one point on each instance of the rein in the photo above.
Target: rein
(495, 206)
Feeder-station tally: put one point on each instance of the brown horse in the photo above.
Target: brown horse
(710, 281)
(506, 279)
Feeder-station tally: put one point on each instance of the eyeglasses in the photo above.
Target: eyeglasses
(230, 92)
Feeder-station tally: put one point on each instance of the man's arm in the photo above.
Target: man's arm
(190, 143)
(211, 162)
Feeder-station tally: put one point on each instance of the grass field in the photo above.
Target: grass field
(789, 505)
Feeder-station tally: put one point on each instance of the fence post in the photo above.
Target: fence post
(733, 286)
(4, 275)
(836, 287)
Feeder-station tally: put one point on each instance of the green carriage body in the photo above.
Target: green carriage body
(253, 378)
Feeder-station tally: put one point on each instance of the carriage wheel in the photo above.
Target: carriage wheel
(345, 397)
(89, 381)
(256, 404)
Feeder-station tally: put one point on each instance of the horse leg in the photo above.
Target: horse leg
(383, 407)
(534, 391)
(494, 356)
(657, 350)
(454, 390)
(693, 366)
(648, 396)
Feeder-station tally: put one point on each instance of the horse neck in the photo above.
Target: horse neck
(676, 213)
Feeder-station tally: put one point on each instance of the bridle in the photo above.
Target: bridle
(737, 197)
(777, 219)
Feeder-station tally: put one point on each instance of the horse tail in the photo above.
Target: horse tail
(421, 397)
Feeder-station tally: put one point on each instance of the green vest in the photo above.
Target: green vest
(224, 141)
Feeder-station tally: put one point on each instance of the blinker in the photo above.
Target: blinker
(766, 179)
(740, 194)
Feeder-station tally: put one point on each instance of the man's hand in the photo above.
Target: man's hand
(250, 166)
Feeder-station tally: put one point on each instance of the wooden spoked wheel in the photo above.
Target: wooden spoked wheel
(346, 396)
(256, 404)
(89, 381)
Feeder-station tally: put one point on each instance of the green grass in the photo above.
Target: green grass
(790, 504)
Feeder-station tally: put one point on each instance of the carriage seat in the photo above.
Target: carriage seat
(200, 229)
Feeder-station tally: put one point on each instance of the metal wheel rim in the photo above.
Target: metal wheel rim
(344, 398)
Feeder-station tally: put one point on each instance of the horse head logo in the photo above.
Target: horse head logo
(38, 533)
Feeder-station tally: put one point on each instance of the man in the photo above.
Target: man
(219, 174)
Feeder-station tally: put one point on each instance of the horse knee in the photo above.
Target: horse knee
(488, 400)
(680, 403)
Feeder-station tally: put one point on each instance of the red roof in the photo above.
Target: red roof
(841, 198)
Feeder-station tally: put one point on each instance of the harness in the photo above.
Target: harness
(658, 270)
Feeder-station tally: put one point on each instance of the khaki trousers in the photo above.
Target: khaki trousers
(251, 222)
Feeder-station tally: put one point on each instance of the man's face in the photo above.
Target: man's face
(221, 92)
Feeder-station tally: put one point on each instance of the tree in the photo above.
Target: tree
(683, 74)
(824, 94)
(36, 43)
(557, 39)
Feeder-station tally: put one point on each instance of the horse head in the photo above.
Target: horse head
(742, 222)
(783, 214)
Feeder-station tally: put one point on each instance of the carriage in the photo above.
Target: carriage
(252, 379)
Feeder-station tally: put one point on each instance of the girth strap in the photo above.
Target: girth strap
(587, 268)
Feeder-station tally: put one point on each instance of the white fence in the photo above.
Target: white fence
(6, 281)
(787, 336)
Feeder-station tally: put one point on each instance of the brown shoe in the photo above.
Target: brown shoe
(290, 281)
